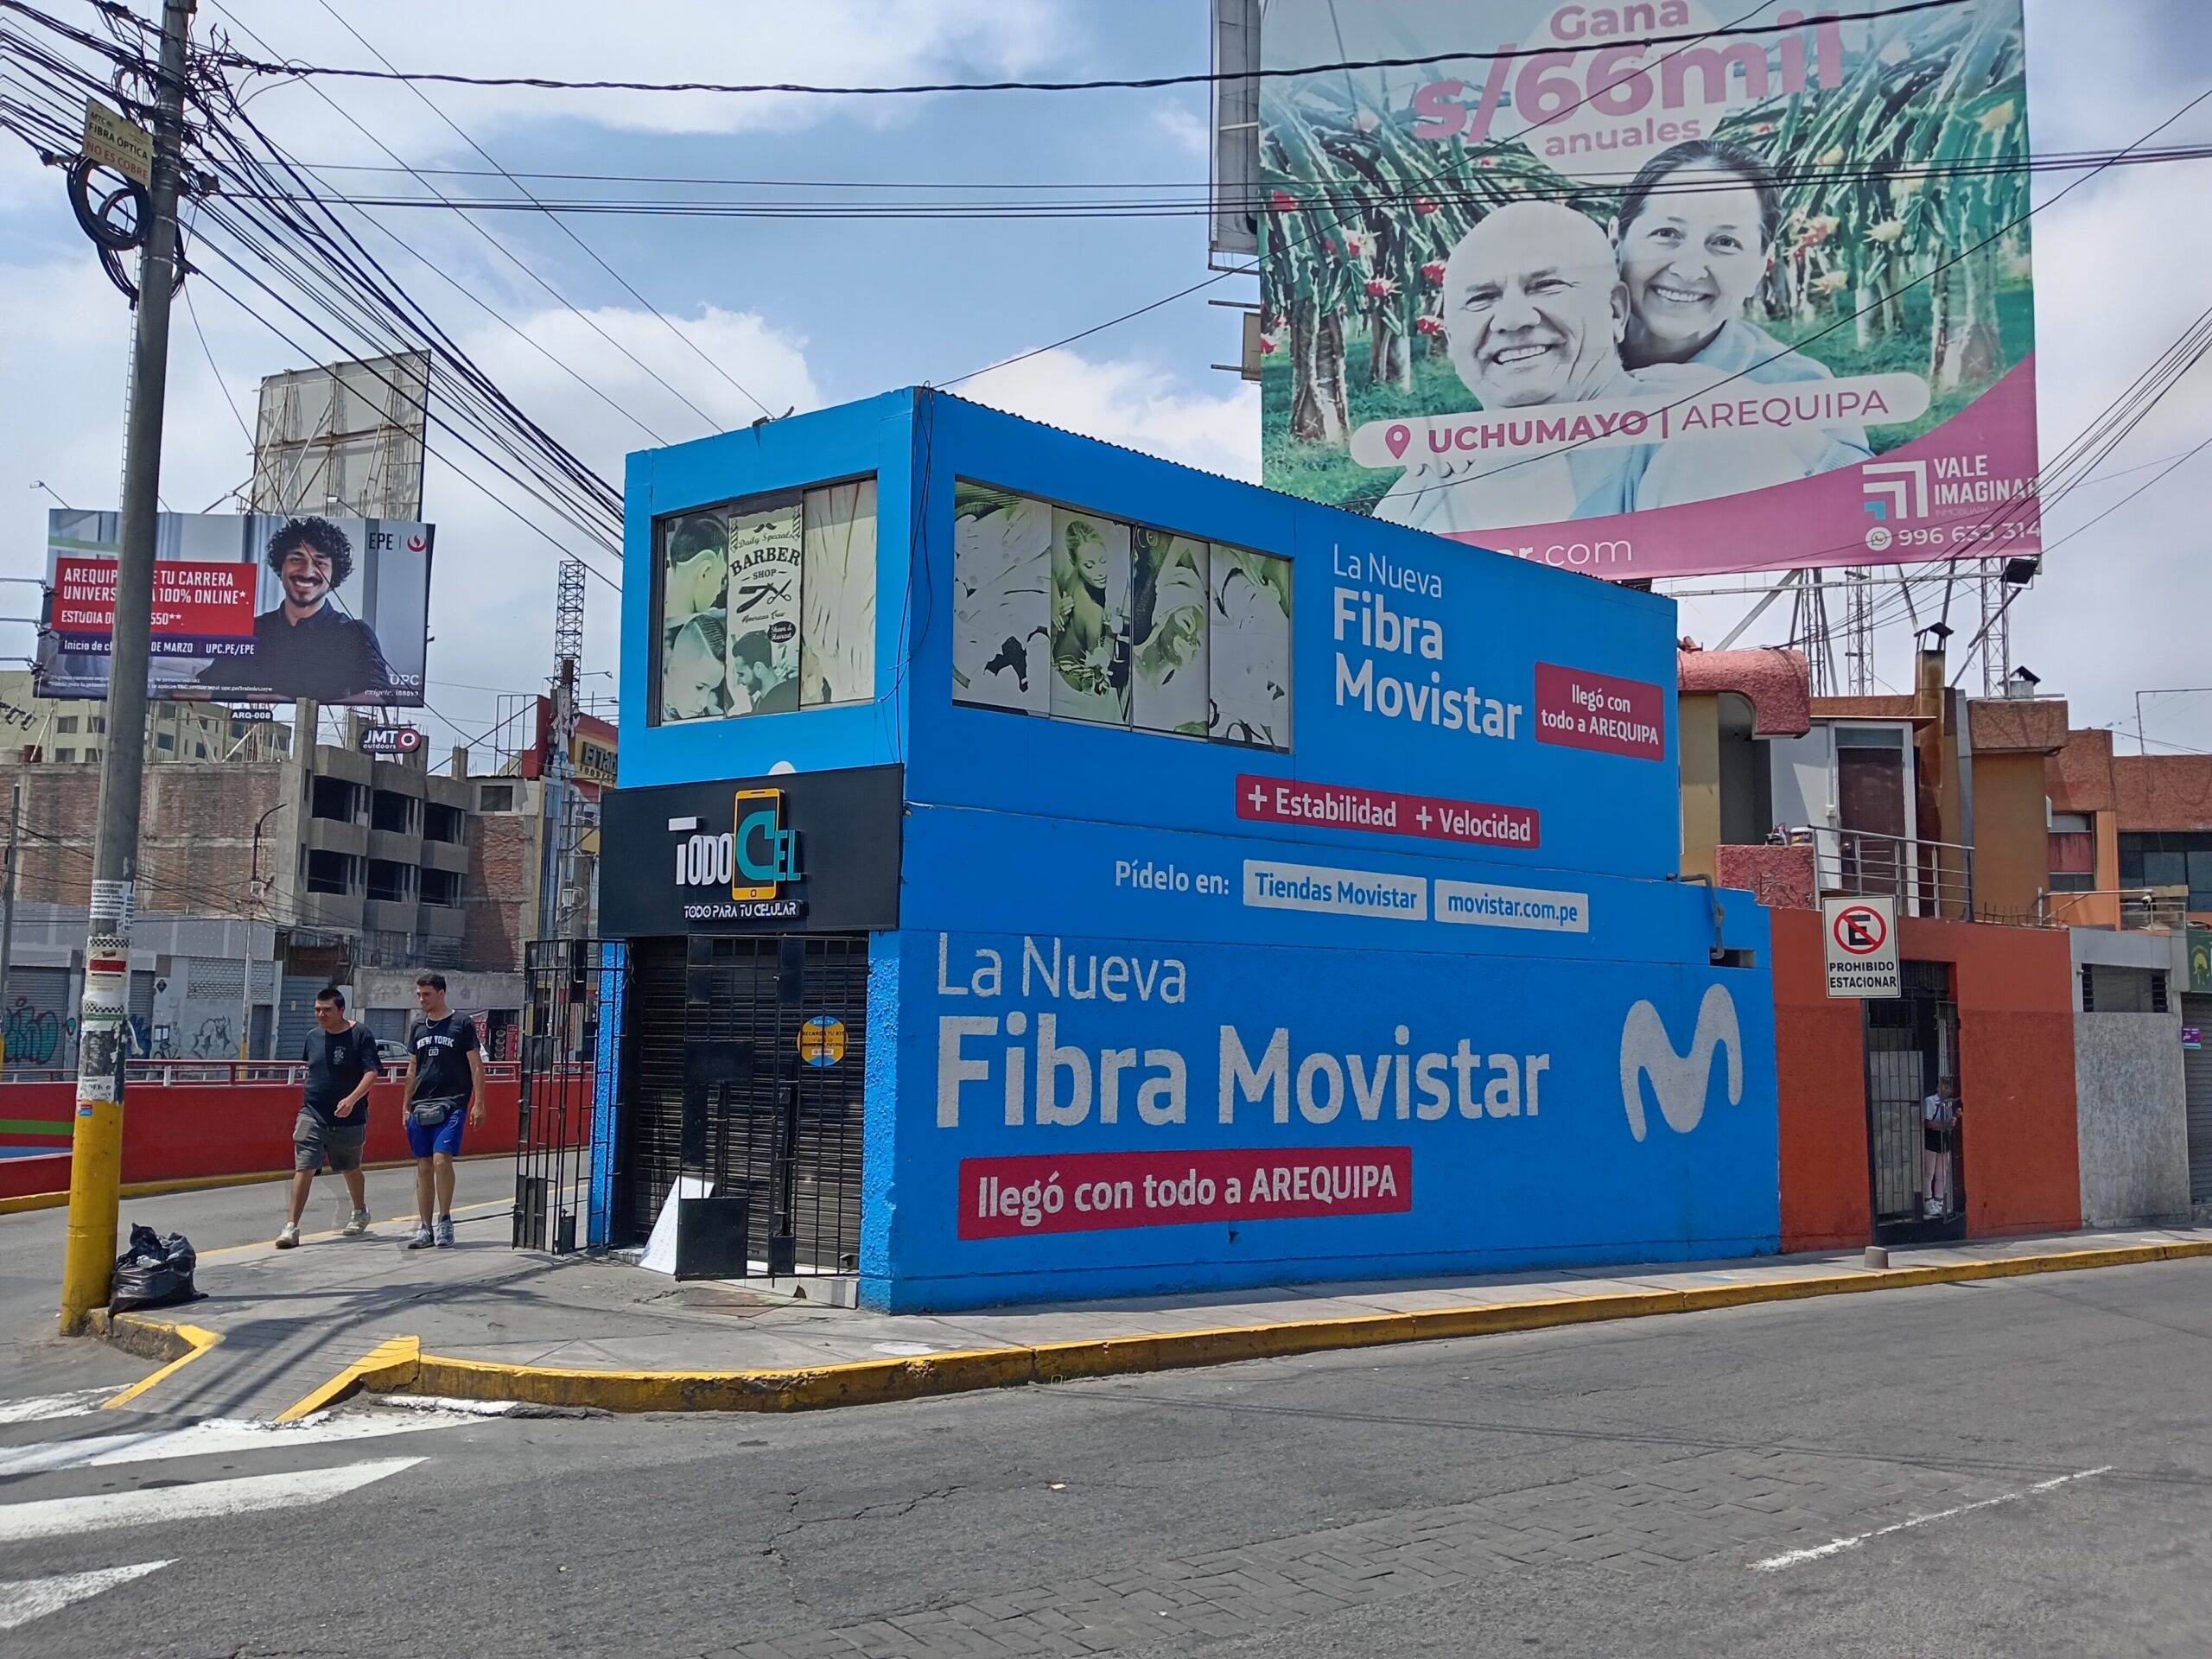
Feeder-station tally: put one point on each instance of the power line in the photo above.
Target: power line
(523, 265)
(303, 247)
(692, 345)
(1146, 83)
(1207, 203)
(1490, 146)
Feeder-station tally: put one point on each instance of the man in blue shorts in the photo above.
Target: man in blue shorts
(445, 1079)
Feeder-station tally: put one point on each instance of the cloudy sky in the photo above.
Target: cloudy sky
(807, 313)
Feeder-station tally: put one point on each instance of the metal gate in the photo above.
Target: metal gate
(1912, 1043)
(750, 1062)
(2197, 1070)
(572, 992)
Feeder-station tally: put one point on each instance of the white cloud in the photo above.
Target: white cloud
(1184, 129)
(837, 43)
(1134, 404)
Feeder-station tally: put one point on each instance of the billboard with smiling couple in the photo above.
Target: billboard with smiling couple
(1644, 291)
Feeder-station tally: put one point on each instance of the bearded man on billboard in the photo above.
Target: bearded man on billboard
(306, 646)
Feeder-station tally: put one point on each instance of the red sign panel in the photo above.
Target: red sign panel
(1583, 710)
(1385, 812)
(1008, 1198)
(193, 598)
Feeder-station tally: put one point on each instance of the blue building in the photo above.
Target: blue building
(1044, 870)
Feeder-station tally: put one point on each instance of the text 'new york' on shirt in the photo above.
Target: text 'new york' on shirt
(442, 1048)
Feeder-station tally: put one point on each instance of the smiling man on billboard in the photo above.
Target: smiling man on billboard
(307, 647)
(1536, 312)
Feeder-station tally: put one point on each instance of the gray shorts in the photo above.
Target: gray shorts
(316, 1144)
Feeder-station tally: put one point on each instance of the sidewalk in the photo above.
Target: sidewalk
(302, 1328)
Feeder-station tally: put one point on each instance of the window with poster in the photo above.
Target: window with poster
(766, 605)
(1075, 615)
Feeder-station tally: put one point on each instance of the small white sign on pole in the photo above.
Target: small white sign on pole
(1862, 946)
(117, 141)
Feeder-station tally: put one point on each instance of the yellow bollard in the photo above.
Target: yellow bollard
(95, 1190)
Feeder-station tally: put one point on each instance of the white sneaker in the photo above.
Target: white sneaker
(287, 1237)
(356, 1224)
(421, 1240)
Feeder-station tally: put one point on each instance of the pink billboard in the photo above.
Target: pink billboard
(1643, 292)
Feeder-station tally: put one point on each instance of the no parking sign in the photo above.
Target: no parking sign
(1861, 935)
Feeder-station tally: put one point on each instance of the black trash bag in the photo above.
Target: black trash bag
(155, 1272)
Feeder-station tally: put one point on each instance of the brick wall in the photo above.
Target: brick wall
(196, 847)
(498, 893)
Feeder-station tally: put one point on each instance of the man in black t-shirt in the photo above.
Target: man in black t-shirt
(445, 1075)
(333, 1121)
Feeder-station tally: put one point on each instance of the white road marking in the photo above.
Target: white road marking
(28, 1599)
(56, 1517)
(1837, 1546)
(219, 1435)
(45, 1406)
(438, 1405)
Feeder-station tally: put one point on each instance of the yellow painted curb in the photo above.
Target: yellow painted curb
(154, 1339)
(391, 1362)
(875, 1382)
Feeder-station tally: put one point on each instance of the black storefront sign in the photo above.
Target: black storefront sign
(796, 853)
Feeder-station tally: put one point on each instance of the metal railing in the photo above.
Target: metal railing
(1926, 878)
(290, 1073)
(2137, 907)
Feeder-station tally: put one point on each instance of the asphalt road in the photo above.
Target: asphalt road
(1608, 1490)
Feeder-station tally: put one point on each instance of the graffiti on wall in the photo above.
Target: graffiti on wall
(34, 1035)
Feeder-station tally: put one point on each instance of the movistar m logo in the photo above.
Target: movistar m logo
(1678, 1081)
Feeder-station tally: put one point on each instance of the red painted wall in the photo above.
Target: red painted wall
(1821, 1070)
(182, 1131)
(45, 1171)
(2015, 991)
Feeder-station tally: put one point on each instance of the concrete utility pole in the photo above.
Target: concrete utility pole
(96, 1162)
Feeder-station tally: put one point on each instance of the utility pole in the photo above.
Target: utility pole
(8, 904)
(96, 1160)
(558, 791)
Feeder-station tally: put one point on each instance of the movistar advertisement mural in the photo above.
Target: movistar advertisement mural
(1193, 1060)
(1335, 678)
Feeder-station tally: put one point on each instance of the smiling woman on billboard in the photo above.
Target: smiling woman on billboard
(1695, 239)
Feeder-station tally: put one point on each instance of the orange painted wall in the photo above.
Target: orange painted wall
(2015, 992)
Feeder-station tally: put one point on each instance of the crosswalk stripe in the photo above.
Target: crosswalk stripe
(46, 1406)
(56, 1517)
(218, 1434)
(26, 1600)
